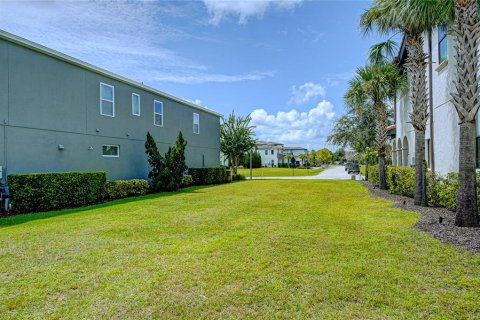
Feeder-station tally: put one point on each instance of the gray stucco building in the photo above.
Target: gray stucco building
(59, 114)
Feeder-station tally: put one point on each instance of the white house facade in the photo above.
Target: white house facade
(270, 152)
(443, 139)
(273, 153)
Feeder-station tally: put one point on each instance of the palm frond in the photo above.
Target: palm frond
(382, 52)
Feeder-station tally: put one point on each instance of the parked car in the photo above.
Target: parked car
(353, 168)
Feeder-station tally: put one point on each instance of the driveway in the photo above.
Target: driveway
(331, 173)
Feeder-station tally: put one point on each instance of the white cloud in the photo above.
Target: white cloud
(198, 77)
(126, 37)
(306, 93)
(198, 102)
(244, 9)
(294, 127)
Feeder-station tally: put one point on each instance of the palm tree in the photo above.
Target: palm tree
(375, 84)
(413, 18)
(466, 30)
(289, 158)
(303, 157)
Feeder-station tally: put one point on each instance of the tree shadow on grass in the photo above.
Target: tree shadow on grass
(9, 221)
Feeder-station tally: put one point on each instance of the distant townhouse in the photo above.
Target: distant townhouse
(62, 114)
(273, 153)
(442, 136)
(270, 152)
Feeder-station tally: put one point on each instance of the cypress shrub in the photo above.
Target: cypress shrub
(51, 191)
(206, 176)
(126, 188)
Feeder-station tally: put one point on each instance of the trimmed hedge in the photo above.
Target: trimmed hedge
(50, 191)
(206, 176)
(238, 177)
(126, 188)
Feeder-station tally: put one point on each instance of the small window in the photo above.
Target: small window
(442, 44)
(196, 123)
(111, 151)
(266, 152)
(273, 151)
(135, 104)
(107, 98)
(158, 113)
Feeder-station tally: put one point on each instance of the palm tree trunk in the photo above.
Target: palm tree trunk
(380, 139)
(466, 101)
(416, 70)
(467, 187)
(420, 198)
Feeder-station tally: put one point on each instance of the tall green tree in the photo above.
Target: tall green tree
(355, 129)
(376, 84)
(412, 18)
(325, 156)
(339, 154)
(236, 138)
(256, 159)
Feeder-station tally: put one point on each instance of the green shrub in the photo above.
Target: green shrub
(401, 180)
(50, 191)
(238, 177)
(187, 180)
(126, 188)
(206, 176)
(441, 190)
(373, 175)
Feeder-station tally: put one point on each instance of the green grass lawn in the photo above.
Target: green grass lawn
(279, 172)
(252, 249)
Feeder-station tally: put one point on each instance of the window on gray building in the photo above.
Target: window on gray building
(196, 123)
(135, 104)
(110, 151)
(273, 151)
(442, 44)
(107, 100)
(158, 113)
(266, 152)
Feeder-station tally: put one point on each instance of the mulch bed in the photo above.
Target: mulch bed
(437, 222)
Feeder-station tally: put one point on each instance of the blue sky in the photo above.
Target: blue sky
(285, 62)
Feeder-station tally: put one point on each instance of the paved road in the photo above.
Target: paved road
(331, 173)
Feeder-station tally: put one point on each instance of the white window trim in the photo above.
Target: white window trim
(113, 101)
(139, 104)
(198, 117)
(155, 113)
(111, 145)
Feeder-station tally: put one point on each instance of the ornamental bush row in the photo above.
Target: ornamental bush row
(126, 188)
(39, 192)
(441, 190)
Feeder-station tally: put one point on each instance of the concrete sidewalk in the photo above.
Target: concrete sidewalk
(331, 173)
